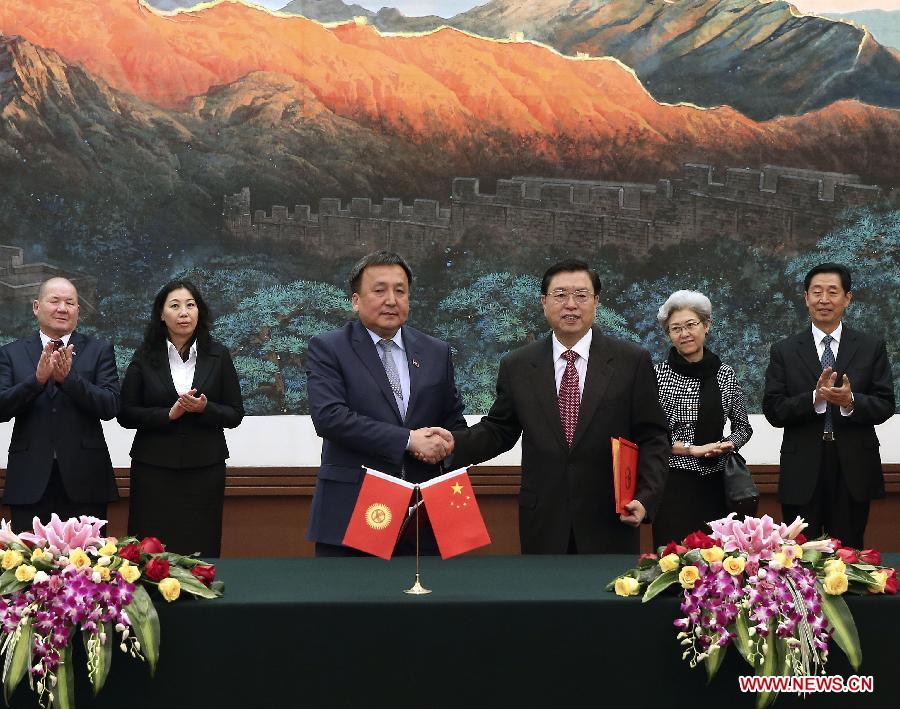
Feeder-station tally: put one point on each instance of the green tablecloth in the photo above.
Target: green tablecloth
(496, 631)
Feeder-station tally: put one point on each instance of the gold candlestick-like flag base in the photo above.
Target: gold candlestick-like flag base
(417, 588)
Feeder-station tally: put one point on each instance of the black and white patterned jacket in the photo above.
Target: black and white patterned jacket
(679, 397)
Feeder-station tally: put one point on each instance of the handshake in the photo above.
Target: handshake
(431, 445)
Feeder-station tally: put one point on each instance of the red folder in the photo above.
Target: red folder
(625, 463)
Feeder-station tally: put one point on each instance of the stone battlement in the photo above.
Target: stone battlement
(777, 206)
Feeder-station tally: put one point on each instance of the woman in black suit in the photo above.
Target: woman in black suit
(180, 391)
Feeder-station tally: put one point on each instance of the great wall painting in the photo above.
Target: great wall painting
(723, 145)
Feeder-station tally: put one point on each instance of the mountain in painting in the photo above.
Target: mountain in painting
(883, 24)
(763, 58)
(346, 110)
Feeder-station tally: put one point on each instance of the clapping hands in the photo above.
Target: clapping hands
(827, 391)
(55, 363)
(431, 445)
(187, 403)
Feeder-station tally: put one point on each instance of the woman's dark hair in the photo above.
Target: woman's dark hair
(156, 333)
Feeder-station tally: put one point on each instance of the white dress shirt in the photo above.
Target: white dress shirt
(583, 348)
(182, 372)
(818, 336)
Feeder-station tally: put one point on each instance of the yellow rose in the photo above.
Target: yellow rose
(881, 579)
(835, 584)
(712, 554)
(170, 588)
(25, 572)
(835, 566)
(79, 558)
(11, 559)
(734, 565)
(39, 554)
(627, 586)
(689, 576)
(107, 549)
(783, 559)
(103, 571)
(130, 573)
(669, 562)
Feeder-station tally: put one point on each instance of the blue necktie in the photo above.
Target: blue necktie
(390, 368)
(828, 361)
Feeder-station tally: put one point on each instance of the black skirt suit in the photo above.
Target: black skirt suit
(178, 467)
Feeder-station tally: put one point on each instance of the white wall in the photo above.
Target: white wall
(291, 441)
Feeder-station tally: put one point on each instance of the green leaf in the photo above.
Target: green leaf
(742, 636)
(713, 661)
(811, 556)
(145, 623)
(845, 634)
(9, 583)
(103, 658)
(660, 584)
(17, 660)
(64, 691)
(190, 583)
(769, 667)
(854, 574)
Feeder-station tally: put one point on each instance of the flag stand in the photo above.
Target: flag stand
(417, 589)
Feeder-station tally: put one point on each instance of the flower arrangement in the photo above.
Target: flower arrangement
(63, 579)
(764, 588)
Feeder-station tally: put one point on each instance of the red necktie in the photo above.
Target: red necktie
(569, 396)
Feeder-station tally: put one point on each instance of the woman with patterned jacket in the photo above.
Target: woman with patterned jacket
(697, 392)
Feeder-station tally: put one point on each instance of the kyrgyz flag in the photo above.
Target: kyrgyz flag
(380, 509)
(455, 518)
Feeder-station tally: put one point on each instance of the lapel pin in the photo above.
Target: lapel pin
(415, 362)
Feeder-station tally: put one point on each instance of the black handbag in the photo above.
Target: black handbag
(740, 490)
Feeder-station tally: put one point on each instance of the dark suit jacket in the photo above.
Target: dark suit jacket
(567, 489)
(791, 377)
(193, 440)
(65, 419)
(354, 411)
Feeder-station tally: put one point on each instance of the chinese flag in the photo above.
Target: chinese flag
(455, 518)
(625, 462)
(380, 509)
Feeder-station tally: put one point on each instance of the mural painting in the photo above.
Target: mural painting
(720, 145)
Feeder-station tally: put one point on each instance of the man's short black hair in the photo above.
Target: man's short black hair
(377, 258)
(570, 265)
(837, 268)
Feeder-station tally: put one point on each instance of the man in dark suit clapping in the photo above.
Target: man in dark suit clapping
(828, 386)
(58, 385)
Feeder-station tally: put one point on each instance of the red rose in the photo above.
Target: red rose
(674, 548)
(205, 573)
(836, 543)
(152, 545)
(131, 553)
(157, 569)
(847, 555)
(801, 539)
(699, 540)
(870, 556)
(890, 585)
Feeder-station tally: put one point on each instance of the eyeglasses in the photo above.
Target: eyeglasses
(689, 326)
(561, 297)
